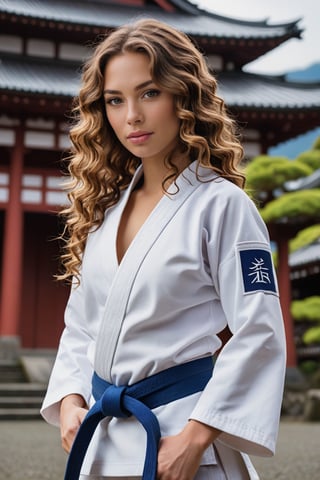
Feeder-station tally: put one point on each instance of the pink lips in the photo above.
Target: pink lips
(139, 137)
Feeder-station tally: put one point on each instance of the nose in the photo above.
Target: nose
(134, 113)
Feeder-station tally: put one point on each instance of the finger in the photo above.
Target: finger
(68, 436)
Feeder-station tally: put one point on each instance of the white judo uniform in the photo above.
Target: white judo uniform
(201, 261)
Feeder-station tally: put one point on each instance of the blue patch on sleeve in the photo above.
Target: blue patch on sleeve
(257, 271)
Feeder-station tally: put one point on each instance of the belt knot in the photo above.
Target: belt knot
(138, 400)
(112, 402)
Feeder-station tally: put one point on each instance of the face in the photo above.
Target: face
(141, 114)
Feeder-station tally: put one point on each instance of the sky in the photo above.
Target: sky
(294, 54)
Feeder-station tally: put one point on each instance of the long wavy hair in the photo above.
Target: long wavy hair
(100, 167)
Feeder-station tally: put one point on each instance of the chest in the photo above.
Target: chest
(136, 211)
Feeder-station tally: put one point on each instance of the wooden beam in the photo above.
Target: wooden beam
(13, 245)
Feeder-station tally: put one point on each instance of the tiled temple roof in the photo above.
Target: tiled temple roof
(306, 255)
(187, 17)
(265, 91)
(38, 76)
(59, 78)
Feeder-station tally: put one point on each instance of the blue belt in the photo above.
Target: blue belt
(138, 400)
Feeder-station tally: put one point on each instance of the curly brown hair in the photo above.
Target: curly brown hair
(100, 167)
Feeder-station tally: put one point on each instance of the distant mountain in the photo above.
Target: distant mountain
(292, 148)
(310, 74)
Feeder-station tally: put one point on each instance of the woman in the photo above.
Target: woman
(165, 250)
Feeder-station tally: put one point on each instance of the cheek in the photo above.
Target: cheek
(172, 121)
(109, 116)
(113, 120)
(171, 116)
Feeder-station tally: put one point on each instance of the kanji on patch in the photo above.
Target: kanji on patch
(257, 271)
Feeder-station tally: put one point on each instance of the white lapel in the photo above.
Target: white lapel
(124, 278)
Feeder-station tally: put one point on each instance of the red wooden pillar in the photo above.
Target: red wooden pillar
(13, 245)
(285, 298)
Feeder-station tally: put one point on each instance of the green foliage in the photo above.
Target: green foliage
(312, 335)
(316, 145)
(267, 173)
(309, 366)
(303, 203)
(311, 158)
(306, 309)
(305, 237)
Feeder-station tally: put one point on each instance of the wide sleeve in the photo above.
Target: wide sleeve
(72, 371)
(243, 397)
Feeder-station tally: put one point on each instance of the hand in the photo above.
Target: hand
(72, 412)
(180, 455)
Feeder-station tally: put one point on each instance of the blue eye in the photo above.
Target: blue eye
(152, 93)
(114, 101)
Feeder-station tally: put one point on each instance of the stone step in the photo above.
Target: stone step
(20, 402)
(11, 372)
(19, 414)
(14, 377)
(23, 386)
(24, 389)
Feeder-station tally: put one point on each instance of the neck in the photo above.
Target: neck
(155, 173)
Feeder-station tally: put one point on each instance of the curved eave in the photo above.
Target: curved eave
(239, 41)
(306, 255)
(247, 90)
(90, 15)
(240, 51)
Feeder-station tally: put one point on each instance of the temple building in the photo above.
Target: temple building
(42, 47)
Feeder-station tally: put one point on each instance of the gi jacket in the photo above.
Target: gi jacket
(204, 263)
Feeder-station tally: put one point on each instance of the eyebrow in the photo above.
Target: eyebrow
(138, 87)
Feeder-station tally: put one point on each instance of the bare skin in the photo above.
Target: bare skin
(142, 201)
(180, 455)
(73, 409)
(138, 208)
